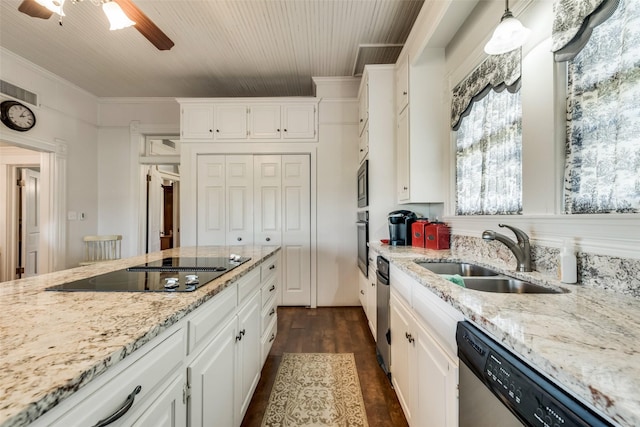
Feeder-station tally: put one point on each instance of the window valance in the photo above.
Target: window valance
(573, 23)
(497, 72)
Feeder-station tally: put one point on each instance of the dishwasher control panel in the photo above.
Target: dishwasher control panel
(529, 395)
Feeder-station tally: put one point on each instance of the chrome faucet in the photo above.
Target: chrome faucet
(521, 250)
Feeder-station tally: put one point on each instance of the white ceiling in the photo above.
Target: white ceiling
(223, 48)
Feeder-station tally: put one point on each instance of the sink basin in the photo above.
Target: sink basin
(507, 285)
(460, 268)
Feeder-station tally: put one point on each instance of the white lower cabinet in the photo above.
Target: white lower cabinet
(201, 372)
(424, 375)
(211, 378)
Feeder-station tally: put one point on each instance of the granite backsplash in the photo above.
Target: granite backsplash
(621, 275)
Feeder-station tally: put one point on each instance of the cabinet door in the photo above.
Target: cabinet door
(239, 200)
(363, 107)
(197, 122)
(264, 122)
(212, 378)
(230, 121)
(249, 354)
(363, 144)
(268, 199)
(211, 200)
(402, 84)
(402, 147)
(402, 354)
(299, 121)
(167, 410)
(437, 378)
(296, 230)
(362, 291)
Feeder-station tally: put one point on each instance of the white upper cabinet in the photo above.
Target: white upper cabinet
(363, 98)
(402, 84)
(421, 138)
(230, 122)
(248, 119)
(299, 121)
(196, 121)
(264, 121)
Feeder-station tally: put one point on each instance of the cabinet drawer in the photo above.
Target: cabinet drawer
(212, 315)
(268, 338)
(149, 372)
(269, 267)
(269, 290)
(247, 284)
(270, 311)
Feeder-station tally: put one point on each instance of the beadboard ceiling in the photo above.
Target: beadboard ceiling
(222, 47)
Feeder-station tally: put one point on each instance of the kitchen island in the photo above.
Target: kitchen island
(52, 344)
(587, 339)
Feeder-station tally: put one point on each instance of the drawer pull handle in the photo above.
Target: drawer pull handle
(273, 337)
(243, 332)
(128, 403)
(272, 267)
(362, 292)
(272, 288)
(272, 312)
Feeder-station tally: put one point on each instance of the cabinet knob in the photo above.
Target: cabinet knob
(404, 92)
(362, 292)
(268, 239)
(361, 150)
(210, 130)
(373, 284)
(217, 130)
(361, 120)
(239, 239)
(405, 188)
(278, 130)
(285, 130)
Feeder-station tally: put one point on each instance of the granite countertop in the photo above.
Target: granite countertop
(588, 339)
(53, 343)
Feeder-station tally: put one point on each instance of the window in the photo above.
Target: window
(489, 157)
(602, 171)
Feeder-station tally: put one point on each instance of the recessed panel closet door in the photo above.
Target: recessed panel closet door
(296, 230)
(239, 199)
(211, 200)
(268, 199)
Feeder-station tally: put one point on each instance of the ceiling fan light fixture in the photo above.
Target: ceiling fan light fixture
(116, 16)
(54, 6)
(510, 34)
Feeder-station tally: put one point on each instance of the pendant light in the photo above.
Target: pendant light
(510, 34)
(116, 16)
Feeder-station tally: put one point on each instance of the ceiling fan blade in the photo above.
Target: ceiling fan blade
(145, 25)
(35, 10)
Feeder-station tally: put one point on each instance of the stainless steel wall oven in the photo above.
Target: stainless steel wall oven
(363, 242)
(363, 185)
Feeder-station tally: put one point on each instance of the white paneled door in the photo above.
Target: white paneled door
(154, 209)
(296, 230)
(30, 222)
(271, 205)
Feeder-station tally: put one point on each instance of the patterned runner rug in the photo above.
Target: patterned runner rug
(316, 389)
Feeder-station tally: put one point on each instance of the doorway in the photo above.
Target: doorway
(21, 211)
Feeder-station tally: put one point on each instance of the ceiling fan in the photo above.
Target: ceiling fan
(143, 24)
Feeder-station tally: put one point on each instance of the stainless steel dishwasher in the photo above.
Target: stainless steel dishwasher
(383, 333)
(497, 388)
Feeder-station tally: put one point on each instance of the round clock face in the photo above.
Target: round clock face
(17, 116)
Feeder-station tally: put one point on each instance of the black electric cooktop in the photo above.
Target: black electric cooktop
(166, 275)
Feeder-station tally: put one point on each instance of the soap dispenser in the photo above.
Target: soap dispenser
(567, 263)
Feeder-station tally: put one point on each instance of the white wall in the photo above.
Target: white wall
(543, 93)
(66, 117)
(123, 124)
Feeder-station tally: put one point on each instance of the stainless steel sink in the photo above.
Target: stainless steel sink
(460, 268)
(486, 280)
(507, 285)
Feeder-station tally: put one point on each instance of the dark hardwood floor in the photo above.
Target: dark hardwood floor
(330, 330)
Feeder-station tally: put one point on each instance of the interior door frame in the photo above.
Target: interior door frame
(53, 201)
(189, 152)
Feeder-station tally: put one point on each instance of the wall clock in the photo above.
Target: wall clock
(17, 116)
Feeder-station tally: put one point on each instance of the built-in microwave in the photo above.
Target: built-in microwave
(363, 185)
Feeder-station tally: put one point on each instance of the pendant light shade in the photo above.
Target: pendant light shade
(117, 18)
(54, 6)
(510, 34)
